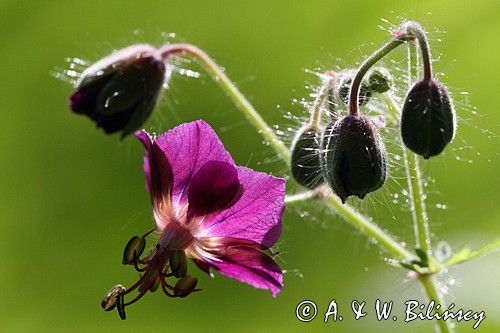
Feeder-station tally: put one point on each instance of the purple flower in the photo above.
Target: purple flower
(222, 216)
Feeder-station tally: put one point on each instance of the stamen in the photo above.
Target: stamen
(133, 249)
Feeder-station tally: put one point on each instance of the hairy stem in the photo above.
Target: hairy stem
(348, 213)
(230, 88)
(414, 177)
(417, 30)
(382, 238)
(319, 102)
(412, 166)
(298, 197)
(432, 292)
(365, 66)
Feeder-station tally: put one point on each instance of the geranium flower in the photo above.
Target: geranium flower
(222, 216)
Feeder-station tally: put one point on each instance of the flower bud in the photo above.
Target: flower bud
(178, 263)
(186, 283)
(380, 80)
(345, 87)
(354, 157)
(305, 158)
(120, 91)
(133, 249)
(427, 119)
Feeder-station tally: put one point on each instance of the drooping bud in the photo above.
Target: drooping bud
(427, 119)
(133, 249)
(354, 157)
(380, 80)
(305, 158)
(178, 263)
(110, 301)
(120, 91)
(186, 283)
(345, 86)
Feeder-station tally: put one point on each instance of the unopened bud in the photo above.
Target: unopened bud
(354, 157)
(305, 158)
(120, 91)
(345, 87)
(380, 80)
(427, 119)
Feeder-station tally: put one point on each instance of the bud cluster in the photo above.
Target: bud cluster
(349, 154)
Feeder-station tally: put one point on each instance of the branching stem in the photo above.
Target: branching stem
(383, 239)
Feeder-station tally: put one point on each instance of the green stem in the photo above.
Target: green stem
(430, 289)
(417, 196)
(466, 254)
(348, 213)
(414, 177)
(412, 163)
(298, 197)
(366, 65)
(230, 88)
(319, 102)
(366, 226)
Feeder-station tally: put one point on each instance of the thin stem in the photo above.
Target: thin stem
(413, 173)
(416, 29)
(366, 65)
(467, 254)
(298, 197)
(319, 102)
(415, 188)
(363, 224)
(349, 214)
(230, 88)
(432, 292)
(417, 196)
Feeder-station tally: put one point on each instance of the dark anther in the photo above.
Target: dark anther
(109, 301)
(178, 263)
(133, 249)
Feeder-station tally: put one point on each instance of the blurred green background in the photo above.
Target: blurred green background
(71, 196)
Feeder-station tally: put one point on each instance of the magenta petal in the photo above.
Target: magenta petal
(144, 137)
(188, 147)
(250, 265)
(212, 188)
(158, 171)
(256, 215)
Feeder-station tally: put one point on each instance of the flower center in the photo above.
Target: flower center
(166, 261)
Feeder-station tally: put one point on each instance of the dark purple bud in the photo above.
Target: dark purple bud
(305, 161)
(380, 80)
(120, 91)
(427, 119)
(345, 86)
(354, 157)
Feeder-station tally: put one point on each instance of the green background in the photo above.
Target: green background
(71, 196)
